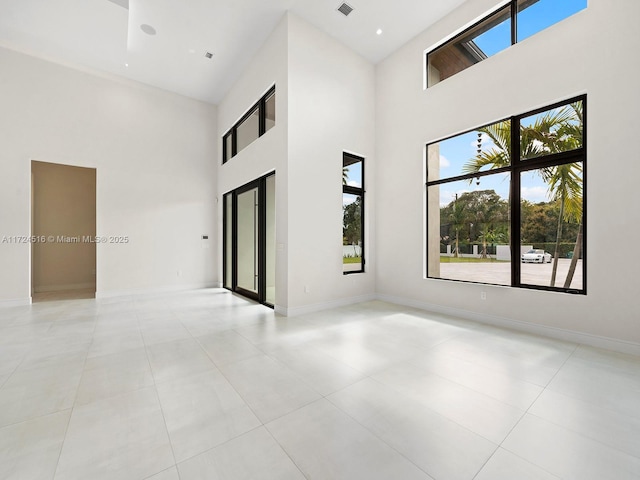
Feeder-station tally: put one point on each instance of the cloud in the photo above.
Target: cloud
(534, 194)
(444, 162)
(448, 196)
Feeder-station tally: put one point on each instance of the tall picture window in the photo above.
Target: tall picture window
(506, 201)
(352, 213)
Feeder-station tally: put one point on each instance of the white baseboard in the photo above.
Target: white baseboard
(62, 288)
(16, 302)
(542, 330)
(318, 307)
(150, 292)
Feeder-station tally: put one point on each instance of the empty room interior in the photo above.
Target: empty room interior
(308, 239)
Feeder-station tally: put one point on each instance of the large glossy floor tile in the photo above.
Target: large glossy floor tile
(496, 384)
(417, 331)
(224, 319)
(174, 360)
(203, 411)
(120, 437)
(440, 447)
(23, 336)
(179, 385)
(169, 474)
(504, 465)
(30, 450)
(326, 443)
(280, 330)
(321, 372)
(52, 351)
(270, 389)
(615, 361)
(110, 375)
(601, 424)
(602, 386)
(11, 357)
(569, 455)
(76, 328)
(534, 365)
(363, 347)
(476, 411)
(118, 322)
(165, 330)
(39, 391)
(116, 342)
(254, 455)
(227, 347)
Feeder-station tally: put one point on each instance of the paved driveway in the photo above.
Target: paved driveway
(500, 272)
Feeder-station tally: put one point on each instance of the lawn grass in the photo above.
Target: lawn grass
(351, 260)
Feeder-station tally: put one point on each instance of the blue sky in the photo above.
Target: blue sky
(354, 174)
(354, 178)
(531, 20)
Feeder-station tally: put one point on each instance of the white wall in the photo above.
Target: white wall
(593, 52)
(155, 155)
(324, 106)
(267, 153)
(331, 110)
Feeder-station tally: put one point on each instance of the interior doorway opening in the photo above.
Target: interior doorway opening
(63, 232)
(249, 240)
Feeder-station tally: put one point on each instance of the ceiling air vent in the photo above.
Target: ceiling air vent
(208, 55)
(345, 9)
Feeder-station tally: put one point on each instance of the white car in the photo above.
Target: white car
(536, 256)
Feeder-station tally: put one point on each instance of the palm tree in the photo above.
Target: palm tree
(554, 131)
(499, 156)
(565, 187)
(565, 181)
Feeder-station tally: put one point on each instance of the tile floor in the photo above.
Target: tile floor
(206, 385)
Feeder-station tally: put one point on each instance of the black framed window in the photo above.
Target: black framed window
(352, 213)
(505, 26)
(506, 201)
(260, 118)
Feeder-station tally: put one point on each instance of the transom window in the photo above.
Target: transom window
(505, 26)
(260, 118)
(498, 192)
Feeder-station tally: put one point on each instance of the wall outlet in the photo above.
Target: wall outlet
(179, 273)
(483, 295)
(307, 289)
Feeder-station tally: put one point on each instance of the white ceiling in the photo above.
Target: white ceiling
(103, 35)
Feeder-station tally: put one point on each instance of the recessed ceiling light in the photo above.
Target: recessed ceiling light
(148, 29)
(126, 64)
(191, 50)
(379, 31)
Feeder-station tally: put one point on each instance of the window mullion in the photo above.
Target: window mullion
(514, 201)
(514, 22)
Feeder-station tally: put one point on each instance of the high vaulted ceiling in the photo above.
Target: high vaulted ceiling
(106, 35)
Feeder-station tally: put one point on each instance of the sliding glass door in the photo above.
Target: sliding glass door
(248, 231)
(250, 240)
